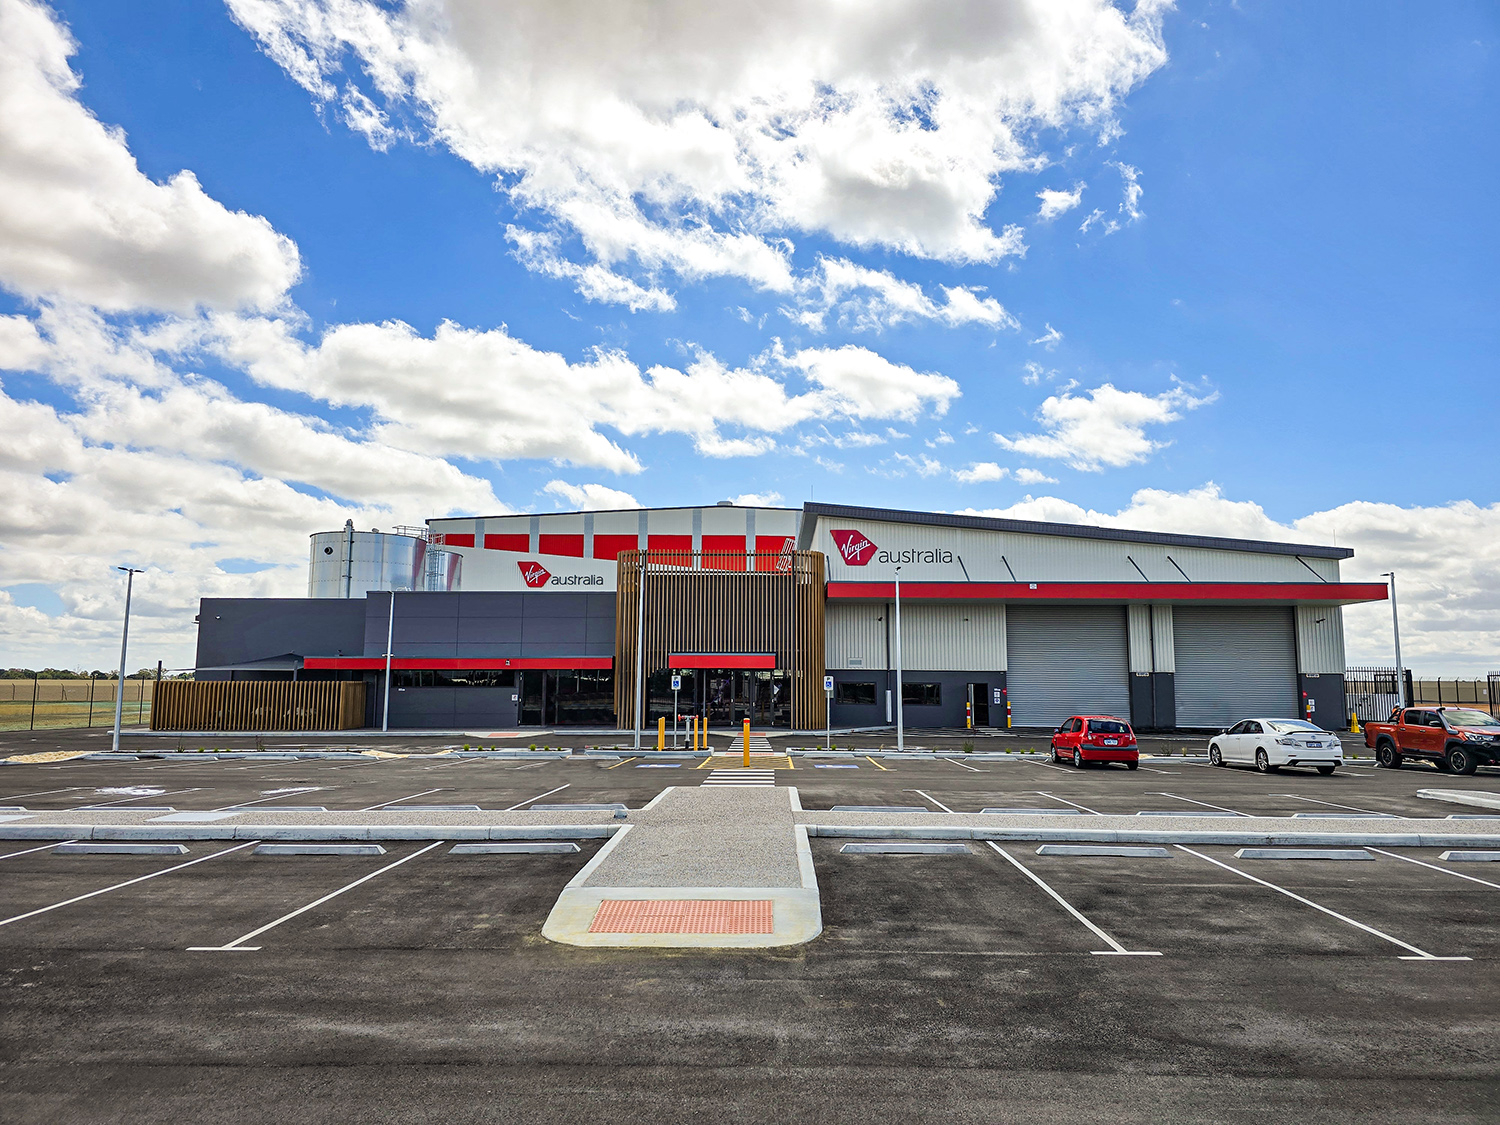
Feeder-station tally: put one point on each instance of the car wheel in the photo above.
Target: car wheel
(1461, 761)
(1214, 757)
(1440, 764)
(1263, 763)
(1078, 759)
(1386, 756)
(1326, 771)
(1132, 765)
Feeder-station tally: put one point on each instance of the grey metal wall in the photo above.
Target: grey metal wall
(238, 631)
(855, 635)
(1320, 639)
(1234, 662)
(1066, 660)
(953, 636)
(493, 625)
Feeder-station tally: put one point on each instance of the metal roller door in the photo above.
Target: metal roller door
(1234, 662)
(1066, 660)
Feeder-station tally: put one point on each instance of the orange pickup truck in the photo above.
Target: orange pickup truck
(1455, 739)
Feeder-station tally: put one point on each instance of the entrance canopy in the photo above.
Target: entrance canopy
(714, 660)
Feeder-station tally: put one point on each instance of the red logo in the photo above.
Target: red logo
(535, 574)
(854, 546)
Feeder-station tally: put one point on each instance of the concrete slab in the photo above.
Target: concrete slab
(1470, 857)
(318, 849)
(1089, 849)
(615, 806)
(1302, 853)
(120, 849)
(1032, 812)
(906, 849)
(1474, 797)
(1196, 812)
(881, 808)
(539, 847)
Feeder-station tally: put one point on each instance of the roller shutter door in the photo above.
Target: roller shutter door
(1066, 660)
(1233, 662)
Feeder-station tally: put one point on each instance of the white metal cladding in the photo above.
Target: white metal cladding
(1320, 639)
(1138, 627)
(1161, 637)
(1066, 660)
(1234, 662)
(855, 635)
(953, 637)
(949, 554)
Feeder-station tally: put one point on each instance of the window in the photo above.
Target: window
(1295, 724)
(921, 695)
(459, 677)
(1431, 719)
(861, 695)
(1107, 726)
(1468, 719)
(1414, 719)
(1252, 727)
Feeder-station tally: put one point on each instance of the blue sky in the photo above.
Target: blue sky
(1301, 278)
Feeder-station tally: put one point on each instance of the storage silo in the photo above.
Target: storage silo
(349, 563)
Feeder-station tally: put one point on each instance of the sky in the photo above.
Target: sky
(1213, 267)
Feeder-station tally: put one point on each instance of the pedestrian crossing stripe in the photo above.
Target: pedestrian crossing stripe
(741, 777)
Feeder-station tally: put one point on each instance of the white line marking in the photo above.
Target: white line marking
(44, 847)
(1064, 800)
(1420, 954)
(127, 883)
(43, 793)
(1115, 948)
(1045, 765)
(538, 797)
(965, 765)
(1332, 805)
(277, 797)
(934, 800)
(1153, 769)
(230, 947)
(147, 797)
(398, 800)
(1190, 801)
(1418, 862)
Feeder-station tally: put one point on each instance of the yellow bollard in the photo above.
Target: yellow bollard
(661, 734)
(747, 743)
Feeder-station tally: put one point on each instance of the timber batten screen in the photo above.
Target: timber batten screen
(258, 705)
(707, 602)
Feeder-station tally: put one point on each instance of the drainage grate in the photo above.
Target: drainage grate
(683, 916)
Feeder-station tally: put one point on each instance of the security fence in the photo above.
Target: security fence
(1372, 694)
(48, 704)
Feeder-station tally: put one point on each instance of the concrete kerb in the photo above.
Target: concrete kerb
(308, 832)
(1080, 834)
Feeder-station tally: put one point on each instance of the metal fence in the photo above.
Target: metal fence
(1372, 693)
(55, 704)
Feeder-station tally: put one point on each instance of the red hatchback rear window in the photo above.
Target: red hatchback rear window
(1107, 726)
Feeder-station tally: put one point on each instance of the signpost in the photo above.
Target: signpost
(828, 709)
(676, 687)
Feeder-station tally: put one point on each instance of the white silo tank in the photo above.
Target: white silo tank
(349, 563)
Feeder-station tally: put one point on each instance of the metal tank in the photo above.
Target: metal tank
(349, 563)
(444, 571)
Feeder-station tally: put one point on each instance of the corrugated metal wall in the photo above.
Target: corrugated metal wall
(953, 637)
(1067, 660)
(1166, 645)
(1235, 662)
(856, 635)
(1150, 631)
(1320, 638)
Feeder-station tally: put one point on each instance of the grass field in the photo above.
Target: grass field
(71, 703)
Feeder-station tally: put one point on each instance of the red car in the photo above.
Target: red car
(1095, 738)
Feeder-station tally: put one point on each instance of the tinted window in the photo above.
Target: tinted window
(860, 694)
(1075, 725)
(1414, 719)
(1295, 724)
(1252, 727)
(1432, 718)
(921, 695)
(1469, 719)
(1107, 726)
(462, 677)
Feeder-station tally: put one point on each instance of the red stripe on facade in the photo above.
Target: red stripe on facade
(722, 660)
(610, 546)
(570, 545)
(1342, 592)
(670, 550)
(722, 552)
(510, 542)
(452, 539)
(445, 663)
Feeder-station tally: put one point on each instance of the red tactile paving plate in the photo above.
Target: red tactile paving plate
(682, 916)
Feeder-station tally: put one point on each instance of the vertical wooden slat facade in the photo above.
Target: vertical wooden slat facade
(236, 705)
(708, 602)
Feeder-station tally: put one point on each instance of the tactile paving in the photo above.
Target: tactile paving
(683, 916)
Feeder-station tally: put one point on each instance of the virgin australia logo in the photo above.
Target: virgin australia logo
(534, 574)
(854, 546)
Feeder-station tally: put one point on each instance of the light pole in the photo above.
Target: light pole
(130, 573)
(390, 632)
(1396, 631)
(900, 715)
(640, 652)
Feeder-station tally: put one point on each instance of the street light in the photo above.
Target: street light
(900, 714)
(130, 573)
(1396, 630)
(390, 630)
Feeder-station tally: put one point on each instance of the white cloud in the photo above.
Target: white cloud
(980, 473)
(591, 497)
(1092, 218)
(943, 438)
(1034, 373)
(1049, 339)
(757, 499)
(858, 383)
(1103, 427)
(80, 222)
(1033, 476)
(867, 299)
(1055, 203)
(696, 138)
(1449, 600)
(1130, 206)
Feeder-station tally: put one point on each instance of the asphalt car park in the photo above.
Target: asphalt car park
(984, 986)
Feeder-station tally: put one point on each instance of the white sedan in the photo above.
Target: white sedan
(1269, 744)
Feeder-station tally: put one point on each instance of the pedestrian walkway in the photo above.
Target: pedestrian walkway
(742, 777)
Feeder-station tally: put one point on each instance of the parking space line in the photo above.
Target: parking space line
(1420, 955)
(1153, 769)
(933, 799)
(127, 883)
(620, 763)
(276, 797)
(146, 797)
(964, 765)
(28, 851)
(1115, 948)
(237, 945)
(1332, 805)
(876, 764)
(1045, 765)
(398, 800)
(1064, 800)
(1190, 801)
(538, 797)
(1418, 862)
(43, 793)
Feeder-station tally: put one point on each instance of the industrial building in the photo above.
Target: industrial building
(542, 620)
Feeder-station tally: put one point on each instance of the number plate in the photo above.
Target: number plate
(1111, 742)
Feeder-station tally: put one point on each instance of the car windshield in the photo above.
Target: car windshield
(1106, 726)
(1293, 724)
(1469, 719)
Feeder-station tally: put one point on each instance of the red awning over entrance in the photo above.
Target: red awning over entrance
(765, 660)
(448, 663)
